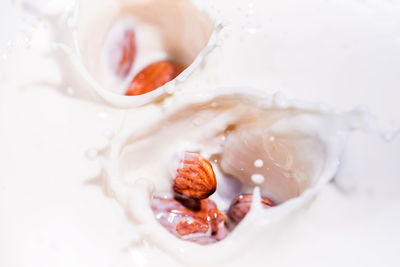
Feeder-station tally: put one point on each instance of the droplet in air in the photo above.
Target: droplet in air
(92, 153)
(108, 133)
(257, 178)
(103, 115)
(71, 23)
(70, 91)
(258, 163)
(252, 30)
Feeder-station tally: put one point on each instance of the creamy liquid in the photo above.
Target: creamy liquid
(53, 213)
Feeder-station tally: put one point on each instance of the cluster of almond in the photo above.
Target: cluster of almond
(148, 79)
(191, 215)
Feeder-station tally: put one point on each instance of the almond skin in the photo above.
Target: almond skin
(153, 76)
(241, 205)
(191, 227)
(195, 178)
(203, 226)
(123, 52)
(210, 212)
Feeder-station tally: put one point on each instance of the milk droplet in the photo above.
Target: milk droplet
(70, 91)
(71, 23)
(170, 88)
(54, 46)
(257, 178)
(223, 138)
(252, 30)
(138, 258)
(135, 238)
(108, 133)
(103, 115)
(258, 163)
(167, 103)
(197, 121)
(92, 153)
(280, 100)
(27, 42)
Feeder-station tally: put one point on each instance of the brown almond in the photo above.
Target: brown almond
(206, 224)
(191, 227)
(241, 205)
(195, 178)
(123, 53)
(153, 76)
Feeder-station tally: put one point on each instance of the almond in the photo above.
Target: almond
(191, 227)
(241, 205)
(153, 76)
(210, 212)
(203, 226)
(123, 53)
(195, 178)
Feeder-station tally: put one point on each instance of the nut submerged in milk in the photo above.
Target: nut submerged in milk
(236, 137)
(139, 48)
(191, 215)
